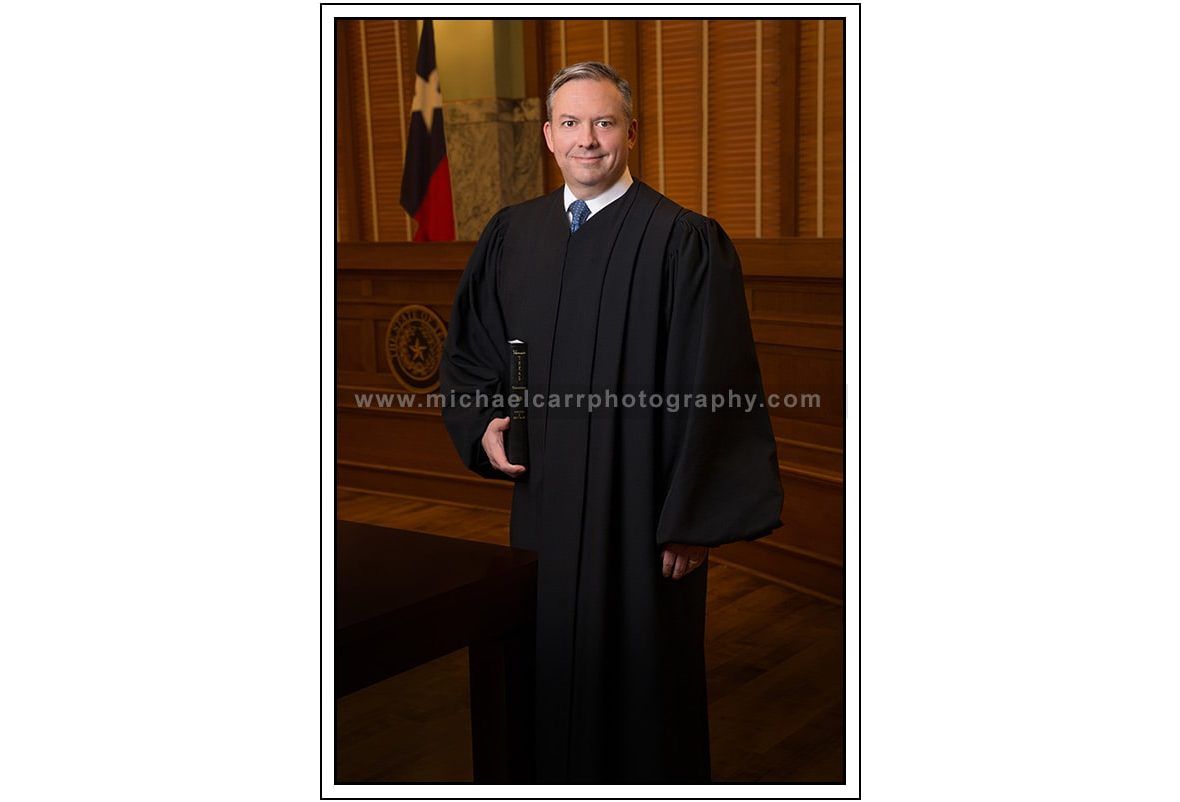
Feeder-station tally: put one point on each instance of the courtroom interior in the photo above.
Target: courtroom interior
(741, 120)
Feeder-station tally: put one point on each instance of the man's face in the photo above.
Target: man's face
(590, 136)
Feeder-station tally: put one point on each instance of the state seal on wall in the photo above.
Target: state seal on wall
(413, 347)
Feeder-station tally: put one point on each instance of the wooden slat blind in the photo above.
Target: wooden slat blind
(347, 192)
(731, 135)
(827, 194)
(790, 51)
(675, 84)
(808, 127)
(645, 164)
(624, 50)
(772, 110)
(388, 138)
(833, 167)
(583, 41)
(358, 106)
(371, 80)
(682, 124)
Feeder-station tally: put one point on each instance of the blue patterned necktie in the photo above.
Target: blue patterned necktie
(579, 211)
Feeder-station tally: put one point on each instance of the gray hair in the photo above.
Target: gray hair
(593, 71)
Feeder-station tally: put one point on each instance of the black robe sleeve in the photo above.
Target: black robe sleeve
(475, 357)
(720, 466)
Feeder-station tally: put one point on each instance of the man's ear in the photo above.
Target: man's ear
(548, 129)
(632, 134)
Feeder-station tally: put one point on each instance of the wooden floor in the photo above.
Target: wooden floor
(775, 662)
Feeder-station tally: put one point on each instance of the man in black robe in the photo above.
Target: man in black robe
(636, 305)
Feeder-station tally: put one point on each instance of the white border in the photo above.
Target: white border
(851, 789)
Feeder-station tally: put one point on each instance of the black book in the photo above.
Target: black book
(518, 426)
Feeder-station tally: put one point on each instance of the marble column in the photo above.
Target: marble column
(495, 150)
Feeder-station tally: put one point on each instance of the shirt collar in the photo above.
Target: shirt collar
(605, 199)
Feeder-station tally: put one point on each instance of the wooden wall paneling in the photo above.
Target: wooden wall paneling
(398, 257)
(813, 514)
(788, 369)
(416, 288)
(366, 301)
(410, 438)
(808, 551)
(352, 286)
(797, 569)
(433, 289)
(818, 334)
(819, 459)
(469, 490)
(393, 450)
(792, 258)
(375, 380)
(795, 291)
(798, 300)
(354, 344)
(351, 383)
(817, 433)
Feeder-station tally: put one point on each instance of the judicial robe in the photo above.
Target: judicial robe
(646, 297)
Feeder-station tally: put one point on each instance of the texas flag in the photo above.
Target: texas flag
(426, 183)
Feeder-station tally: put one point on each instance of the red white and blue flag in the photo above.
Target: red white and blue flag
(426, 182)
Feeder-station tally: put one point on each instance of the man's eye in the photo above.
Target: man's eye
(568, 123)
(604, 123)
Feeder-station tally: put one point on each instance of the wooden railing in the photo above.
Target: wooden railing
(795, 292)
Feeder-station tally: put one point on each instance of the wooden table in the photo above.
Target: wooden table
(405, 598)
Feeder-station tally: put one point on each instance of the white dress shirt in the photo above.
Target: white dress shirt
(605, 199)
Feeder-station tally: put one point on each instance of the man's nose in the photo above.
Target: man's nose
(587, 137)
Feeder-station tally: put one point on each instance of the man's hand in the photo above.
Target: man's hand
(680, 559)
(493, 446)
